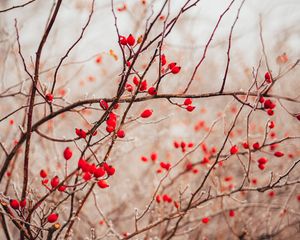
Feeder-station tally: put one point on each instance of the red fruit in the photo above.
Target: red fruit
(234, 149)
(298, 116)
(122, 40)
(54, 182)
(188, 101)
(49, 97)
(189, 166)
(271, 194)
(270, 112)
(99, 172)
(23, 203)
(165, 166)
(87, 176)
(62, 188)
(171, 65)
(110, 129)
(268, 104)
(256, 146)
(109, 170)
(80, 133)
(190, 108)
(298, 198)
(157, 198)
(231, 213)
(245, 145)
(175, 70)
(278, 154)
(111, 122)
(129, 87)
(268, 77)
(262, 160)
(68, 153)
(146, 113)
(81, 163)
(163, 60)
(103, 104)
(152, 91)
(144, 159)
(191, 144)
(261, 99)
(176, 144)
(52, 217)
(92, 168)
(130, 40)
(45, 181)
(14, 204)
(153, 156)
(43, 173)
(205, 220)
(136, 81)
(121, 134)
(166, 198)
(143, 86)
(271, 124)
(261, 166)
(102, 184)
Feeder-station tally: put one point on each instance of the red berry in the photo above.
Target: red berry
(146, 113)
(87, 176)
(234, 149)
(152, 91)
(268, 77)
(261, 166)
(80, 133)
(188, 101)
(54, 182)
(245, 145)
(278, 154)
(23, 203)
(62, 188)
(49, 97)
(129, 87)
(103, 104)
(136, 81)
(122, 40)
(271, 124)
(175, 70)
(109, 170)
(205, 220)
(43, 173)
(121, 134)
(231, 213)
(68, 153)
(163, 60)
(130, 40)
(14, 204)
(270, 112)
(190, 108)
(261, 99)
(110, 129)
(52, 217)
(157, 198)
(171, 65)
(143, 86)
(256, 146)
(262, 160)
(153, 156)
(102, 184)
(99, 172)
